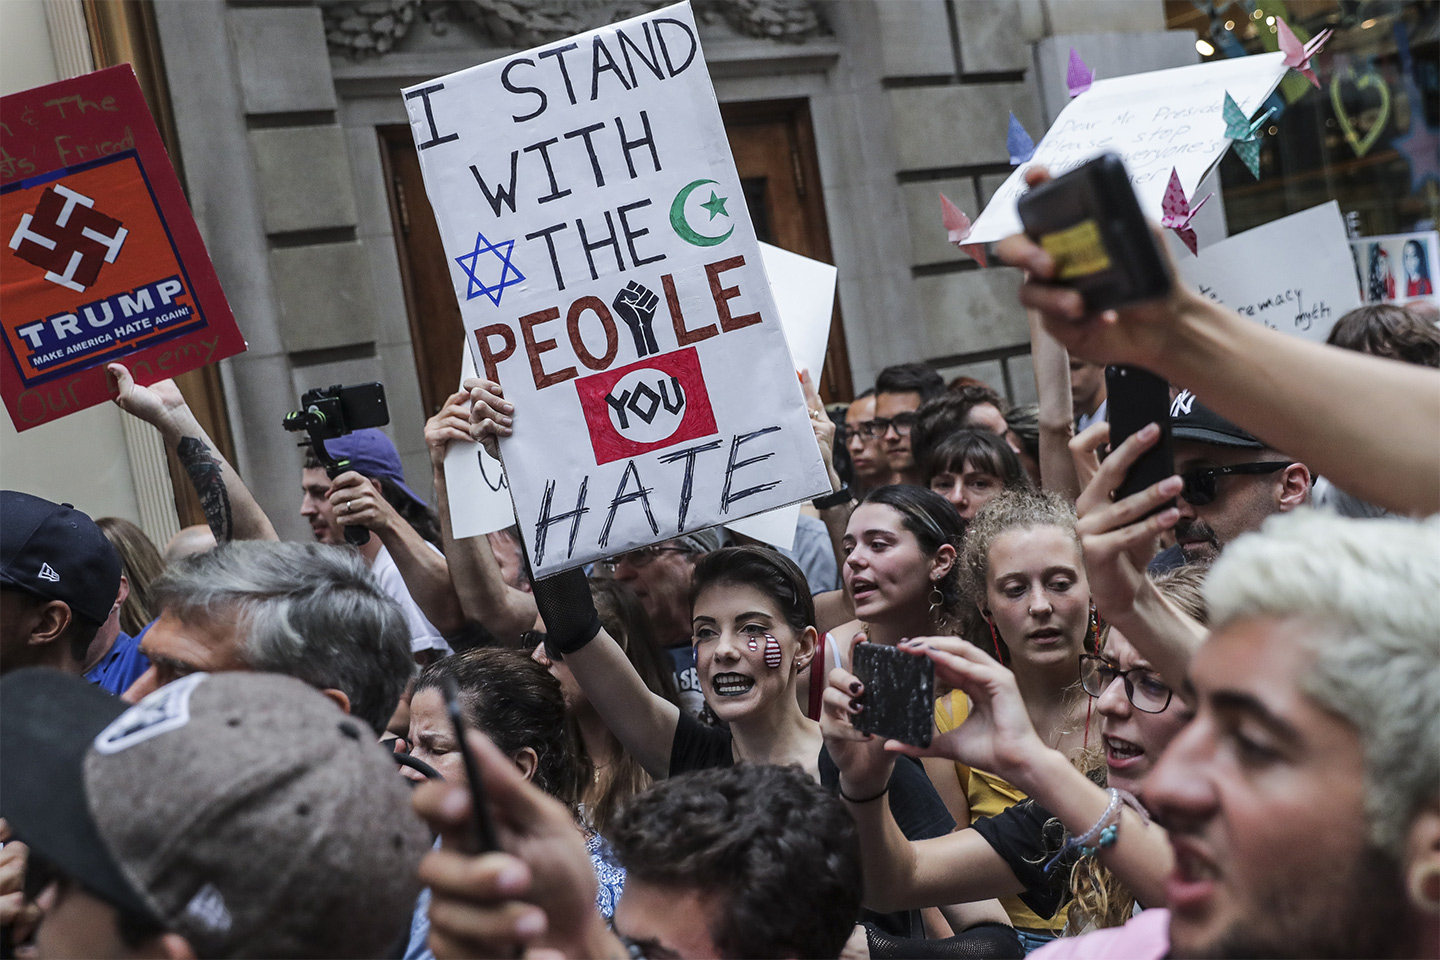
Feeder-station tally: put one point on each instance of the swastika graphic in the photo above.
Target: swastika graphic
(68, 238)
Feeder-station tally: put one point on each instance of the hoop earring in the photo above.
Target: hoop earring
(937, 606)
(1423, 882)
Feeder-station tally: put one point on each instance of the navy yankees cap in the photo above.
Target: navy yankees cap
(57, 552)
(1192, 420)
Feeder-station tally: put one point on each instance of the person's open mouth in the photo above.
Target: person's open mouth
(732, 684)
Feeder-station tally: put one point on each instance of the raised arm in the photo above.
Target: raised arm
(1371, 426)
(1057, 415)
(229, 507)
(483, 595)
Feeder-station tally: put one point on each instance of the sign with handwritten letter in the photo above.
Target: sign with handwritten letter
(1293, 274)
(609, 277)
(102, 260)
(1153, 121)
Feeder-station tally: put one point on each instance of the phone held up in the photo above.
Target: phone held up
(1089, 221)
(1135, 398)
(899, 695)
(482, 833)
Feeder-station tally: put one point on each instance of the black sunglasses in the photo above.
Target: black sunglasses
(877, 427)
(1201, 486)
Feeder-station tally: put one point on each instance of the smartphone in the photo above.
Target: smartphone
(482, 826)
(1135, 397)
(1089, 221)
(899, 697)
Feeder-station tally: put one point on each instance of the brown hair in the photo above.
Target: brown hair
(141, 564)
(1389, 331)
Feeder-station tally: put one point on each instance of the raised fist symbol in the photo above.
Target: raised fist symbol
(636, 306)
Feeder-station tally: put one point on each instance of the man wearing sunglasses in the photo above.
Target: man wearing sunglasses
(899, 392)
(1232, 483)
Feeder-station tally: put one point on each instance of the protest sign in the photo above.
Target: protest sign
(1293, 274)
(103, 261)
(804, 291)
(1399, 267)
(1153, 121)
(609, 277)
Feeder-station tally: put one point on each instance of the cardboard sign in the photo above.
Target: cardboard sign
(609, 277)
(1293, 274)
(103, 261)
(1399, 267)
(804, 291)
(1153, 121)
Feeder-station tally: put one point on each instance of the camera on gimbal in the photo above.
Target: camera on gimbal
(328, 413)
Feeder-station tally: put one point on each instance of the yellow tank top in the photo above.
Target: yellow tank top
(988, 796)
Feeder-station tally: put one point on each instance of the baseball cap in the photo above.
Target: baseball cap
(244, 811)
(1192, 420)
(371, 454)
(57, 552)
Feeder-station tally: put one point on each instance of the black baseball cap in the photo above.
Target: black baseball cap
(57, 552)
(1192, 420)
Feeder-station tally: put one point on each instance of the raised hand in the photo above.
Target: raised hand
(636, 305)
(153, 404)
(490, 414)
(824, 426)
(864, 764)
(358, 502)
(451, 424)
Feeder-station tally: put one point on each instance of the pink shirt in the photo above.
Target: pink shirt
(1146, 937)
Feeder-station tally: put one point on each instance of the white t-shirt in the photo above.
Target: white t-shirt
(423, 635)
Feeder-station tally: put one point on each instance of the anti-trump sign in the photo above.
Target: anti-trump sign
(610, 280)
(102, 259)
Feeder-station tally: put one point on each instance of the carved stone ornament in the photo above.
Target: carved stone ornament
(367, 28)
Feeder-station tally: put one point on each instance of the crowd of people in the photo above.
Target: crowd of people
(1198, 720)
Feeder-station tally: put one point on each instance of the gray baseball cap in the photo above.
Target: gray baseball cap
(243, 811)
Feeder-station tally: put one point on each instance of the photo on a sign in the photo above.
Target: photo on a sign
(1398, 268)
(609, 278)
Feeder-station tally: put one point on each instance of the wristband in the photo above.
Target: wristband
(845, 796)
(839, 497)
(568, 609)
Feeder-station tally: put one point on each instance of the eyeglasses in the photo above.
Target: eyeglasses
(878, 427)
(1142, 687)
(645, 556)
(1201, 485)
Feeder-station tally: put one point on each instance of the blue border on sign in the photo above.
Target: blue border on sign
(198, 323)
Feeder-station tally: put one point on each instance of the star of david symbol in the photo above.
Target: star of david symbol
(716, 205)
(470, 263)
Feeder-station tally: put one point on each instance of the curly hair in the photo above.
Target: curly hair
(518, 704)
(934, 522)
(775, 852)
(1389, 331)
(1012, 510)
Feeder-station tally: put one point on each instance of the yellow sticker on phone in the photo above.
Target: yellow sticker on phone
(1077, 251)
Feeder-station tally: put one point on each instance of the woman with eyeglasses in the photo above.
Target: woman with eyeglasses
(1074, 837)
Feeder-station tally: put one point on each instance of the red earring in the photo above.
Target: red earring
(772, 652)
(995, 639)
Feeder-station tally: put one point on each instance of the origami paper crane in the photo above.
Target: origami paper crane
(1297, 55)
(957, 226)
(1018, 143)
(1244, 133)
(1078, 77)
(1177, 212)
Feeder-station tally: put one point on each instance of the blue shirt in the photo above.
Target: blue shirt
(122, 665)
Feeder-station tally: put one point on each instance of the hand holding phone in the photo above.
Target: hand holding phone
(899, 695)
(482, 837)
(1135, 398)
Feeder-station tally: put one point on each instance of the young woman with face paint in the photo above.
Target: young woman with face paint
(1007, 854)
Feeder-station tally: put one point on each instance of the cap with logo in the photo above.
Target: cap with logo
(243, 811)
(371, 454)
(1192, 420)
(57, 552)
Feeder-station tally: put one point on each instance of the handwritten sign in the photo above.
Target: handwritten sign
(1153, 121)
(609, 277)
(1293, 274)
(1399, 267)
(102, 260)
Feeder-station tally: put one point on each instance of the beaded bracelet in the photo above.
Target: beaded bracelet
(1105, 831)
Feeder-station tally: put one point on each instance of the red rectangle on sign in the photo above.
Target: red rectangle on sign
(654, 403)
(102, 260)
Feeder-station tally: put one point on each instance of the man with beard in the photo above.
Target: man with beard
(1301, 799)
(1232, 483)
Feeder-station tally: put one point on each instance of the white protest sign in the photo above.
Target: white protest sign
(609, 278)
(1153, 121)
(804, 292)
(1294, 274)
(475, 483)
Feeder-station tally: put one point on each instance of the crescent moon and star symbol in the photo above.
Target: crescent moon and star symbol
(680, 222)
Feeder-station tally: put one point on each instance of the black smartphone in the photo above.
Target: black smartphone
(363, 405)
(899, 697)
(482, 826)
(1089, 221)
(1135, 397)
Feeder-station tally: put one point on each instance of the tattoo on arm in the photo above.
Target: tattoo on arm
(208, 478)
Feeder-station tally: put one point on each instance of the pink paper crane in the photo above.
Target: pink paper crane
(957, 226)
(1297, 55)
(1178, 213)
(1078, 77)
